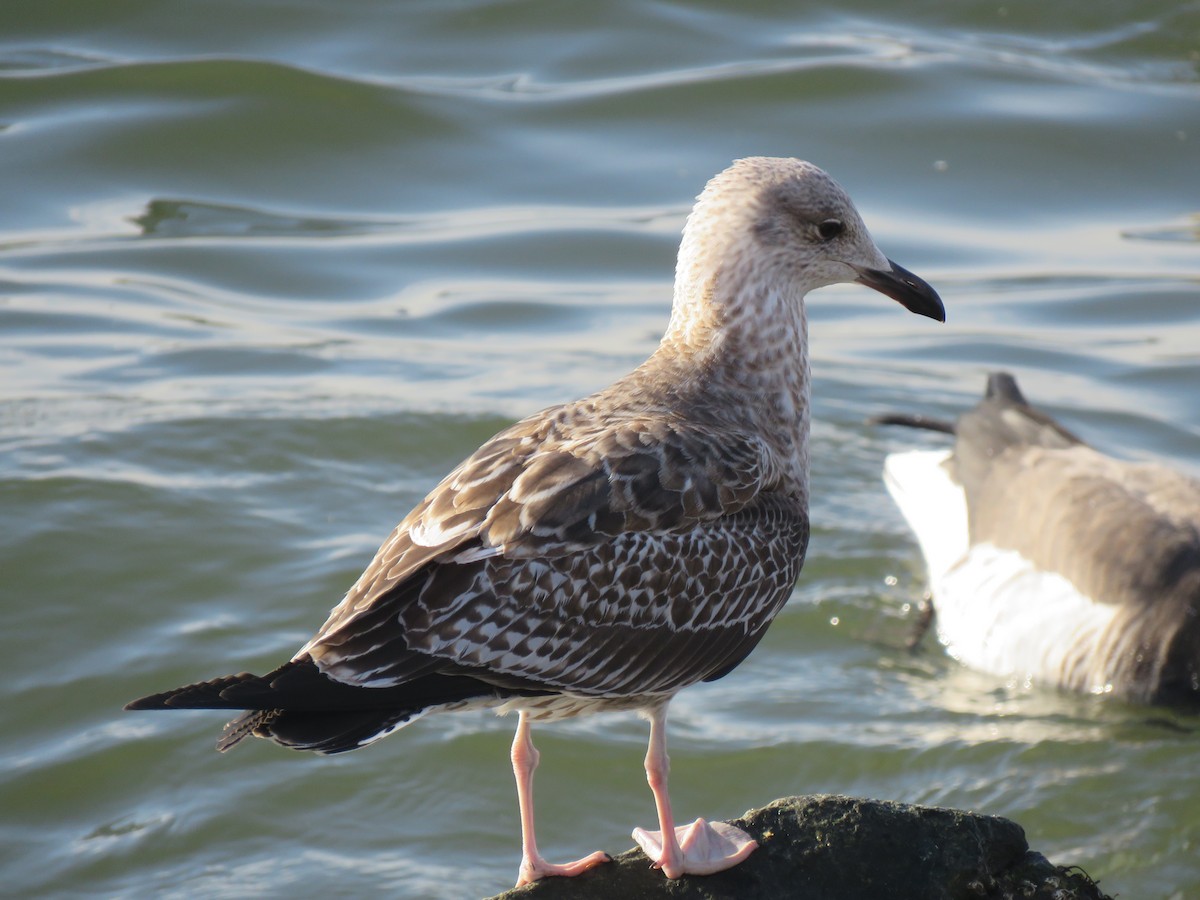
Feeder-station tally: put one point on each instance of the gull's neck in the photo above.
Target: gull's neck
(736, 347)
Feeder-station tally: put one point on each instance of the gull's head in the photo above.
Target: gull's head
(785, 225)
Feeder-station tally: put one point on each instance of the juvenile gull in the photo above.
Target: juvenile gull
(1051, 561)
(606, 553)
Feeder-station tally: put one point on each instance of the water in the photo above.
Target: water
(268, 270)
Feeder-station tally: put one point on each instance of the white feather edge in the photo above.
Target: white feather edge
(996, 612)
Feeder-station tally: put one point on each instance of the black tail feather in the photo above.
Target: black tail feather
(300, 686)
(298, 706)
(201, 695)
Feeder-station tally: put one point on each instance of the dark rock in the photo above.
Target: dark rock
(839, 848)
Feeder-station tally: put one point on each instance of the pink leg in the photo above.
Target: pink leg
(525, 759)
(698, 849)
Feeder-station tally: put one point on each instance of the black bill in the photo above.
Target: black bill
(907, 289)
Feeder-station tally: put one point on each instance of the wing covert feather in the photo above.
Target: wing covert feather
(554, 485)
(643, 613)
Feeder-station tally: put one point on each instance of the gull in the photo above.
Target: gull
(606, 553)
(1050, 561)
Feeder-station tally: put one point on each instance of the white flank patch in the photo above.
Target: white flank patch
(933, 504)
(999, 614)
(995, 611)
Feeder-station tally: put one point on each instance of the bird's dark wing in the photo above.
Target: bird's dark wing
(558, 543)
(643, 612)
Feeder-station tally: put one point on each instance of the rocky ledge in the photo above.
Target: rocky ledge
(840, 848)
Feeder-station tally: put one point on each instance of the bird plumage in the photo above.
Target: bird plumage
(610, 551)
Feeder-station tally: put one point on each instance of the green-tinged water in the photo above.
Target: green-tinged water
(267, 270)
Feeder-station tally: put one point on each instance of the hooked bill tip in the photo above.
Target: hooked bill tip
(907, 289)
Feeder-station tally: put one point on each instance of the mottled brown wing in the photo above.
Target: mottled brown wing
(555, 484)
(642, 613)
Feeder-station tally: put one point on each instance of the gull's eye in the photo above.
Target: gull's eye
(830, 228)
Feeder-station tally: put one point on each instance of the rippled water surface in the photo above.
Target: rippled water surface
(268, 270)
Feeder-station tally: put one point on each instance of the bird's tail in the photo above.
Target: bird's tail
(201, 695)
(299, 707)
